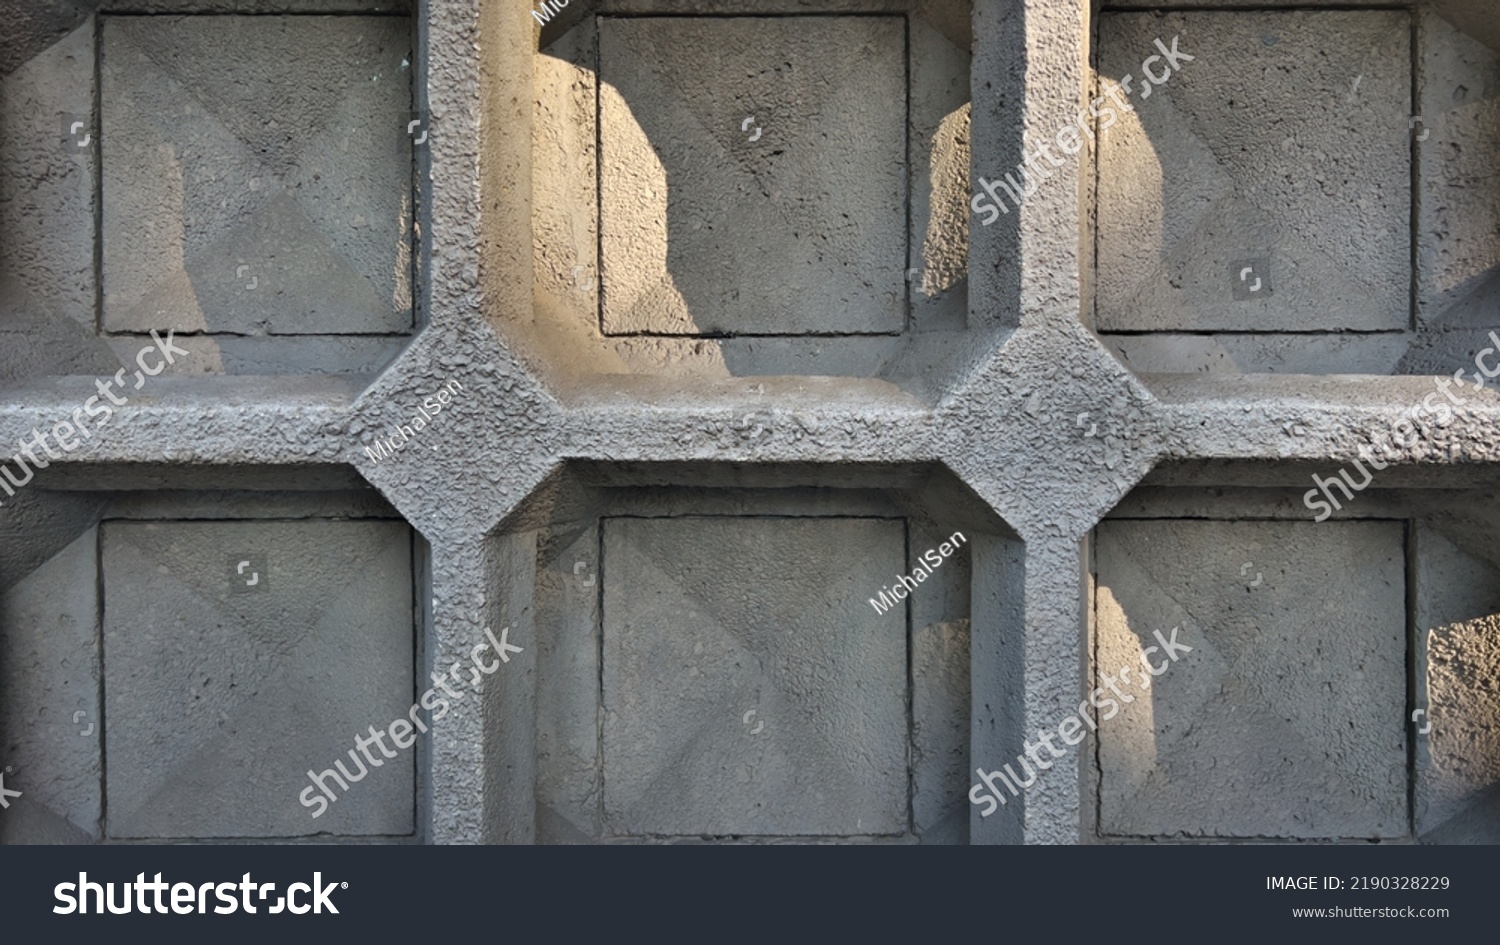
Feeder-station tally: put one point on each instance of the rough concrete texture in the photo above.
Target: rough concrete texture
(278, 205)
(33, 25)
(575, 792)
(748, 687)
(1040, 428)
(47, 280)
(1458, 621)
(1459, 250)
(49, 698)
(1455, 45)
(1287, 717)
(806, 204)
(565, 335)
(1286, 141)
(220, 694)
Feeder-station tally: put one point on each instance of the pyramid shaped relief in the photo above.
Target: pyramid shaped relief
(656, 421)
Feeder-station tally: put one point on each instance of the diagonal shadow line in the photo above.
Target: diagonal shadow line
(211, 605)
(248, 154)
(767, 668)
(61, 20)
(210, 114)
(710, 734)
(714, 608)
(272, 685)
(689, 747)
(1139, 573)
(665, 88)
(1481, 810)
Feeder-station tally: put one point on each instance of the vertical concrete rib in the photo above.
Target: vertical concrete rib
(485, 796)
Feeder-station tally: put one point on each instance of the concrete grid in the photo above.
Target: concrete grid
(715, 392)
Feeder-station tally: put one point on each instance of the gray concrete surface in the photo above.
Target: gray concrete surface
(922, 248)
(1457, 798)
(1285, 719)
(996, 408)
(1284, 140)
(278, 206)
(732, 706)
(807, 204)
(218, 697)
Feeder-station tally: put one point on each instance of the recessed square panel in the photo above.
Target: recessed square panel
(277, 204)
(1283, 147)
(753, 175)
(1287, 718)
(218, 702)
(749, 687)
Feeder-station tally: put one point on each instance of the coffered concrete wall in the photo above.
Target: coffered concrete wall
(657, 338)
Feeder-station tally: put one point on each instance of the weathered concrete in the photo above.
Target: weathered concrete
(707, 621)
(806, 204)
(1285, 140)
(209, 687)
(994, 411)
(49, 699)
(899, 273)
(278, 206)
(1285, 719)
(1458, 623)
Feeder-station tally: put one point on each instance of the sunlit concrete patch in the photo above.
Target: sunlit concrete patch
(1288, 718)
(1285, 140)
(1458, 618)
(747, 194)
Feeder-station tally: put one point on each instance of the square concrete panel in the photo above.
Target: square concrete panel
(256, 174)
(217, 703)
(753, 175)
(1287, 719)
(1285, 140)
(749, 688)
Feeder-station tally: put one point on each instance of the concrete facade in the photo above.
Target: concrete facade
(717, 393)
